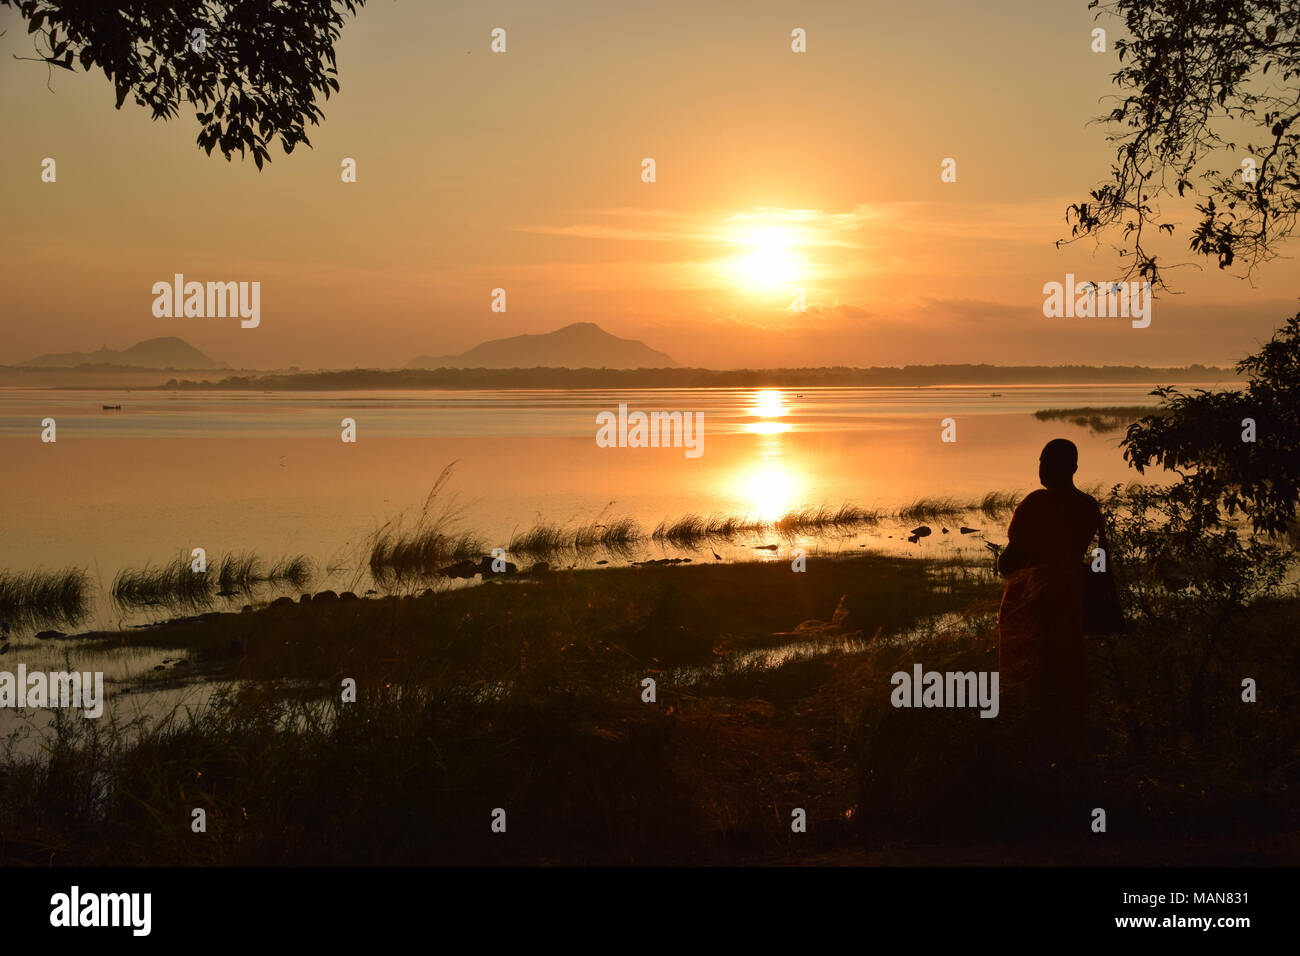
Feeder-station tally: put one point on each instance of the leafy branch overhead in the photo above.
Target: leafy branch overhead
(1210, 107)
(251, 68)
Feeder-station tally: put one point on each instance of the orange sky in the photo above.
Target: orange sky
(523, 171)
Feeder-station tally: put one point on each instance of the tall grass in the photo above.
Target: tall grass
(692, 530)
(395, 556)
(618, 536)
(298, 571)
(541, 539)
(177, 585)
(688, 529)
(850, 515)
(805, 520)
(933, 509)
(1100, 418)
(240, 572)
(732, 525)
(399, 555)
(997, 504)
(43, 597)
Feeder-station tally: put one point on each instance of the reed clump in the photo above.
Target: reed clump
(173, 584)
(178, 584)
(434, 539)
(541, 539)
(1100, 418)
(996, 504)
(240, 572)
(40, 597)
(298, 571)
(932, 509)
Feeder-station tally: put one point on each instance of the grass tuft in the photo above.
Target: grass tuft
(43, 597)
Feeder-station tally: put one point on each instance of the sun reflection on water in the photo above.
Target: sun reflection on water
(769, 490)
(769, 487)
(769, 403)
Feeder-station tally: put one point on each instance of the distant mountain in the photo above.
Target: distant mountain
(165, 352)
(580, 345)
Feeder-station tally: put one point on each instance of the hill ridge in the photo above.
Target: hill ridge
(164, 351)
(576, 345)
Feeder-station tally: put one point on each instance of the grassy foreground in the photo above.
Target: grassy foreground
(527, 696)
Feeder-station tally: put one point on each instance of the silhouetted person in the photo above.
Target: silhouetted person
(1041, 657)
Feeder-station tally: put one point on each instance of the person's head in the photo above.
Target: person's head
(1058, 463)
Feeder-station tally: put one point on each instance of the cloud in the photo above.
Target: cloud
(1027, 221)
(803, 227)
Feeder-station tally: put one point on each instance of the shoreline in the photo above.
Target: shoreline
(456, 692)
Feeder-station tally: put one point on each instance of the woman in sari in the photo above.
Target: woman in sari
(1041, 658)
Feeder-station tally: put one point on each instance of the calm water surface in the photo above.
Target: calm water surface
(268, 473)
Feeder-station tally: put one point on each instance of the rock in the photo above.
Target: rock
(461, 569)
(485, 567)
(324, 597)
(47, 635)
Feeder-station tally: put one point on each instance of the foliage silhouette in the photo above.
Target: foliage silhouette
(252, 68)
(1194, 76)
(1201, 437)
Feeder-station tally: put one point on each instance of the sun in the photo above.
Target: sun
(768, 261)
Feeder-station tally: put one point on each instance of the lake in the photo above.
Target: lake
(269, 473)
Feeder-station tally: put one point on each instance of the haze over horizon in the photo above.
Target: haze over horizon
(522, 171)
(576, 347)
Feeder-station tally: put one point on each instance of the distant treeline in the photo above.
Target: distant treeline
(708, 378)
